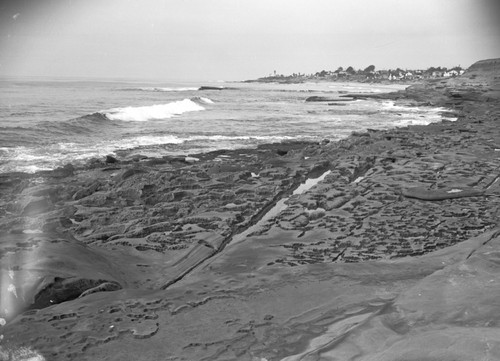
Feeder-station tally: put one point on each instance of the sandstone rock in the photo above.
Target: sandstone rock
(111, 159)
(317, 214)
(64, 171)
(301, 221)
(56, 290)
(442, 194)
(86, 191)
(130, 172)
(43, 191)
(316, 98)
(33, 205)
(97, 199)
(211, 88)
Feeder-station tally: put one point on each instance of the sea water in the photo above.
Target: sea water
(45, 123)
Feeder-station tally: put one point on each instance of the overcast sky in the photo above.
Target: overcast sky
(240, 39)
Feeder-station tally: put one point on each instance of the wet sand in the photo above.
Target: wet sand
(392, 255)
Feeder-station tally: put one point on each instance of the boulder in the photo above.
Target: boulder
(316, 98)
(301, 221)
(111, 159)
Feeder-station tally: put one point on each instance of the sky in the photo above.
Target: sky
(240, 39)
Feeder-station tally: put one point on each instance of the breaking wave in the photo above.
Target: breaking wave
(158, 111)
(202, 100)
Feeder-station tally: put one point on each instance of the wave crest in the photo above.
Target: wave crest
(202, 100)
(152, 112)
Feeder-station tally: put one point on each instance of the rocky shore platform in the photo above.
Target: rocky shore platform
(383, 246)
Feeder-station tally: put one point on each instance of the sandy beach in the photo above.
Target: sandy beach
(382, 246)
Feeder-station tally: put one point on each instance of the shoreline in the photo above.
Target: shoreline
(402, 211)
(17, 158)
(138, 154)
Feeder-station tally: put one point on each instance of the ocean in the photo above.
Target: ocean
(45, 124)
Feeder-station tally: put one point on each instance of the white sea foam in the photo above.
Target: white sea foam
(422, 121)
(151, 112)
(151, 140)
(101, 149)
(242, 137)
(31, 160)
(415, 115)
(391, 106)
(357, 90)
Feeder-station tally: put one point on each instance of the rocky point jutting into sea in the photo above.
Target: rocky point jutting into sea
(382, 246)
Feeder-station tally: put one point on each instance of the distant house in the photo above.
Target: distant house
(450, 73)
(395, 75)
(370, 74)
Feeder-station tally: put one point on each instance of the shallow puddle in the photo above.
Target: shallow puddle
(278, 208)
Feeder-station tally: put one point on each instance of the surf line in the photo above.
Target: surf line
(206, 249)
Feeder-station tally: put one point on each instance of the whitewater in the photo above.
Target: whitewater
(157, 111)
(46, 124)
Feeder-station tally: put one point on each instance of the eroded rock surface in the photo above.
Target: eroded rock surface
(393, 255)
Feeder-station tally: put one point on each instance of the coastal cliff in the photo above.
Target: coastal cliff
(388, 252)
(488, 65)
